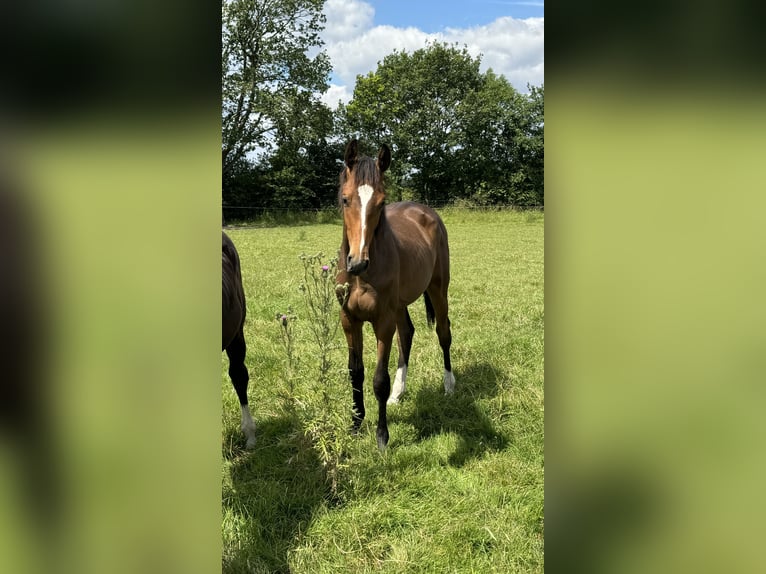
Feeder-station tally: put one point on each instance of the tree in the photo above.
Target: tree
(455, 132)
(411, 102)
(534, 149)
(303, 171)
(266, 72)
(502, 156)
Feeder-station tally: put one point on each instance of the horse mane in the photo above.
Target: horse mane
(365, 171)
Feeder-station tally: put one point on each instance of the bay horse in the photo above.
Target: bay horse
(233, 322)
(390, 255)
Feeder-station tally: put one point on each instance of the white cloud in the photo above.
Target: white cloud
(346, 19)
(334, 93)
(510, 46)
(362, 53)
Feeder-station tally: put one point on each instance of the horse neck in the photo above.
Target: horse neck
(383, 236)
(384, 244)
(382, 232)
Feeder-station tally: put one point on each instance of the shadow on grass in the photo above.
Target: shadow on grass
(274, 492)
(436, 413)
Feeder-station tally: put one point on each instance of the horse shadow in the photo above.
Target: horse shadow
(275, 490)
(435, 413)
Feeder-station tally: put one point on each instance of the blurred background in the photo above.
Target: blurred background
(111, 174)
(654, 328)
(109, 192)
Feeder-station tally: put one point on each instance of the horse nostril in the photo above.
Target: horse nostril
(348, 260)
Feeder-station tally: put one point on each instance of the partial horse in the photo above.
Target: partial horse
(27, 430)
(233, 322)
(389, 255)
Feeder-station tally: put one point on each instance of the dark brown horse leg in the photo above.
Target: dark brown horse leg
(384, 331)
(239, 378)
(405, 330)
(353, 330)
(443, 331)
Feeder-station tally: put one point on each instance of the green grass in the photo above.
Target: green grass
(460, 487)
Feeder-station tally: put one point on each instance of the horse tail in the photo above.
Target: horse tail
(430, 314)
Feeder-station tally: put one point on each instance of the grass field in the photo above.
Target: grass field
(460, 487)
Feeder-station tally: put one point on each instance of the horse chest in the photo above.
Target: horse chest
(365, 301)
(362, 303)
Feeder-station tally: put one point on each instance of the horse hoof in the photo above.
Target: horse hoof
(250, 444)
(382, 439)
(392, 401)
(449, 382)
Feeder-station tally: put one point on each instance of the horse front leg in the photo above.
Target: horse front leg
(353, 331)
(384, 332)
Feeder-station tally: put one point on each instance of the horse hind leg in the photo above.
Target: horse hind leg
(405, 331)
(239, 379)
(438, 302)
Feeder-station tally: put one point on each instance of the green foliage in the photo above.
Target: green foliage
(410, 102)
(502, 156)
(460, 487)
(454, 130)
(456, 133)
(242, 183)
(268, 81)
(304, 173)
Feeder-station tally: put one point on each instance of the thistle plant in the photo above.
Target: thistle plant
(286, 322)
(318, 402)
(320, 293)
(327, 425)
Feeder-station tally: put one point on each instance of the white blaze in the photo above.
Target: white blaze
(365, 194)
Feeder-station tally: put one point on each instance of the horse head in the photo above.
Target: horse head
(362, 199)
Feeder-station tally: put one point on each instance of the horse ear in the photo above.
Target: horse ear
(384, 158)
(352, 149)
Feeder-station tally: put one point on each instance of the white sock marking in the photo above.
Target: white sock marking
(365, 194)
(248, 426)
(449, 382)
(399, 385)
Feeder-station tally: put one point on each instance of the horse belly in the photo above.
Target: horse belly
(415, 235)
(415, 276)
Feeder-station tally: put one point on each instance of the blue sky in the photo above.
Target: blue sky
(507, 35)
(435, 16)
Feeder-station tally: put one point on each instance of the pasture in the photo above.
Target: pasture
(460, 486)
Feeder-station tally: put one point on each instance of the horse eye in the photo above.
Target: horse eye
(345, 202)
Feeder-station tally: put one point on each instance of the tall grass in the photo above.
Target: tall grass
(460, 487)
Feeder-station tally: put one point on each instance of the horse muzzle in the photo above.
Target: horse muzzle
(357, 267)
